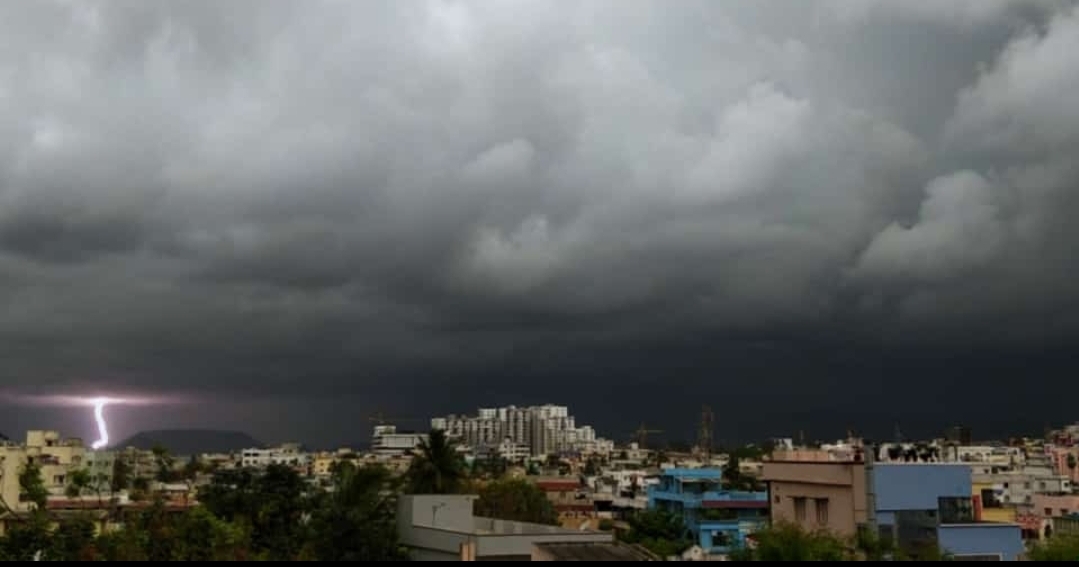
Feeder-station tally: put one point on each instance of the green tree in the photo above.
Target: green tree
(273, 504)
(437, 469)
(26, 539)
(192, 468)
(165, 464)
(78, 482)
(1056, 548)
(734, 479)
(121, 475)
(1072, 462)
(789, 542)
(201, 536)
(32, 487)
(517, 500)
(73, 540)
(661, 532)
(356, 520)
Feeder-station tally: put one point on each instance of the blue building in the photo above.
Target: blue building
(929, 505)
(719, 519)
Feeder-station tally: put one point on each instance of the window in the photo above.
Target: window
(1005, 485)
(955, 510)
(1041, 485)
(1048, 511)
(1063, 511)
(800, 509)
(822, 511)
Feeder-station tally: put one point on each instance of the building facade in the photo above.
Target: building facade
(442, 527)
(917, 507)
(288, 454)
(386, 440)
(818, 494)
(545, 430)
(719, 519)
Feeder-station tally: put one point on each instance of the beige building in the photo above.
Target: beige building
(816, 492)
(56, 457)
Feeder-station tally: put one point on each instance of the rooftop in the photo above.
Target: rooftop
(588, 551)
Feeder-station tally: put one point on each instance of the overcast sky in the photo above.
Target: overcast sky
(808, 214)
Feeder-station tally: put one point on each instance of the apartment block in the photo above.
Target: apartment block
(720, 519)
(546, 429)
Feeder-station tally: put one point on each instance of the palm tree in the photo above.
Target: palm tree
(437, 469)
(1072, 463)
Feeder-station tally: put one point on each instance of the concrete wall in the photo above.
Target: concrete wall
(843, 484)
(11, 461)
(981, 539)
(518, 545)
(917, 486)
(450, 511)
(1063, 505)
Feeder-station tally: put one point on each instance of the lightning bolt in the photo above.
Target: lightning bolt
(102, 427)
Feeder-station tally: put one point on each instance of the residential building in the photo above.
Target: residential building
(987, 499)
(100, 464)
(289, 454)
(816, 492)
(386, 440)
(55, 457)
(442, 527)
(1056, 505)
(918, 505)
(1065, 461)
(720, 519)
(926, 504)
(570, 499)
(1017, 487)
(546, 429)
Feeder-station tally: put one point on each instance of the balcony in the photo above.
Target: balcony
(713, 499)
(725, 536)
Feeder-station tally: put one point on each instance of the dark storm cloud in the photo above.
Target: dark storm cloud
(327, 198)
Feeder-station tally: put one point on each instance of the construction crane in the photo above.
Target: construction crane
(642, 435)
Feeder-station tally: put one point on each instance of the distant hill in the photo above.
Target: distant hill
(191, 441)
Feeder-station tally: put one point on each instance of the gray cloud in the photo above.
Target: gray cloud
(288, 200)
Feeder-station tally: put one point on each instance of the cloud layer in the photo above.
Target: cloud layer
(295, 200)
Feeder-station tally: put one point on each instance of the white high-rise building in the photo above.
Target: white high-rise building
(545, 429)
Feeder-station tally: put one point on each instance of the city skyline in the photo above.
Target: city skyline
(814, 216)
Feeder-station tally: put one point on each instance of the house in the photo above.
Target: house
(924, 504)
(815, 492)
(719, 519)
(442, 527)
(913, 505)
